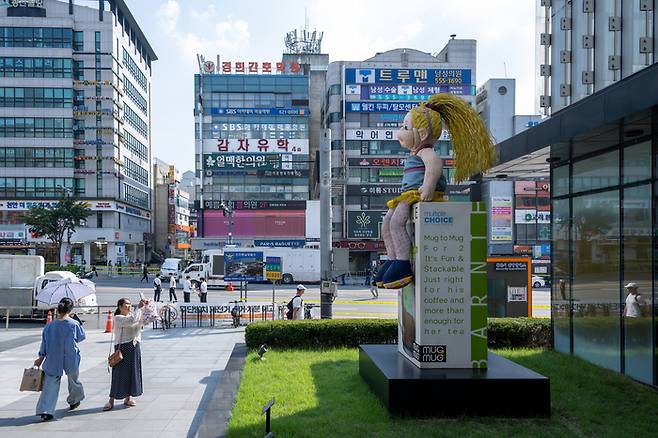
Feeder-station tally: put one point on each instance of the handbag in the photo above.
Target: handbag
(115, 357)
(32, 379)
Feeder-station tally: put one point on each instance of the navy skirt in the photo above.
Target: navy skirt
(127, 374)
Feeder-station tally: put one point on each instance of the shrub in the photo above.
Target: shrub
(328, 333)
(321, 333)
(519, 332)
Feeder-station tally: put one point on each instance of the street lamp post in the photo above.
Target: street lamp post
(228, 212)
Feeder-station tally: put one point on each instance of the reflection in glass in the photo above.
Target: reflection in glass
(637, 162)
(560, 288)
(595, 290)
(596, 172)
(637, 269)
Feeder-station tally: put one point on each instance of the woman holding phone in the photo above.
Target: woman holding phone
(127, 374)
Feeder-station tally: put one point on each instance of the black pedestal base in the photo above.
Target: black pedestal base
(504, 389)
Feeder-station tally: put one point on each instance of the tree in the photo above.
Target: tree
(56, 222)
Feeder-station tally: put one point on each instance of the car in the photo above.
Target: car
(538, 281)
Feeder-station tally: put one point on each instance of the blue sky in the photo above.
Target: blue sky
(250, 30)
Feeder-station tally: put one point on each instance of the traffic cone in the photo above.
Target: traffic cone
(49, 319)
(229, 287)
(108, 323)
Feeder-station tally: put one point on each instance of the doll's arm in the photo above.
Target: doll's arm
(433, 169)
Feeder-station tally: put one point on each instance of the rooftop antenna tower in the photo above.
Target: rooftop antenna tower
(304, 42)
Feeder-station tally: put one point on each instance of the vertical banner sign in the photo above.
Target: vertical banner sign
(443, 314)
(273, 268)
(501, 218)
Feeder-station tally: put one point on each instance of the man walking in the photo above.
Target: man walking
(187, 289)
(145, 273)
(157, 288)
(298, 303)
(634, 300)
(203, 290)
(172, 288)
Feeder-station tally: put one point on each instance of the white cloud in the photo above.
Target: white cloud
(227, 37)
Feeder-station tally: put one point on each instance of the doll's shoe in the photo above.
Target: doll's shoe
(398, 275)
(379, 278)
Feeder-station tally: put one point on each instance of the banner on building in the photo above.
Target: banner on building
(212, 162)
(379, 107)
(501, 218)
(410, 76)
(392, 190)
(411, 92)
(256, 145)
(375, 162)
(256, 205)
(365, 224)
(529, 216)
(260, 111)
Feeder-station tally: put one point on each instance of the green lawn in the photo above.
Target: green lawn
(320, 394)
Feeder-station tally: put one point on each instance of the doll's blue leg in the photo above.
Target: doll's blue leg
(390, 249)
(399, 274)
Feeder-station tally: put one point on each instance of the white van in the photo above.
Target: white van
(174, 266)
(89, 301)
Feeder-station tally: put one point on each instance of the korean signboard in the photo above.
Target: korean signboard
(12, 234)
(256, 145)
(260, 111)
(391, 172)
(212, 162)
(281, 243)
(411, 92)
(370, 134)
(208, 66)
(375, 162)
(364, 224)
(265, 127)
(532, 216)
(379, 107)
(243, 266)
(374, 190)
(257, 205)
(501, 218)
(412, 76)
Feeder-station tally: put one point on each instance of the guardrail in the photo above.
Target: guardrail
(27, 313)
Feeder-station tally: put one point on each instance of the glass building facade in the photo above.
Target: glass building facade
(604, 201)
(254, 146)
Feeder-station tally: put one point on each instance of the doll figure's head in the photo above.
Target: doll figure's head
(472, 146)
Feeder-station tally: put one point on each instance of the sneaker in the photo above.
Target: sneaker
(398, 275)
(73, 406)
(46, 417)
(379, 278)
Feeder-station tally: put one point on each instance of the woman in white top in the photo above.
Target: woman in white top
(127, 374)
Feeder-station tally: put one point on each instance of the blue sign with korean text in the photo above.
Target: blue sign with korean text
(379, 107)
(412, 92)
(243, 266)
(260, 111)
(410, 76)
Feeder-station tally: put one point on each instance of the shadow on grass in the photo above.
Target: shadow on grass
(587, 401)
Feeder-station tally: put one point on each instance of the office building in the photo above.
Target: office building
(75, 86)
(171, 212)
(252, 152)
(586, 45)
(364, 105)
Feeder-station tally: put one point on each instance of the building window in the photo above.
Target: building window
(27, 67)
(135, 146)
(134, 95)
(135, 121)
(135, 196)
(43, 127)
(37, 157)
(78, 41)
(26, 97)
(39, 37)
(134, 70)
(34, 187)
(135, 171)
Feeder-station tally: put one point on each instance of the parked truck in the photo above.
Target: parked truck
(22, 278)
(298, 265)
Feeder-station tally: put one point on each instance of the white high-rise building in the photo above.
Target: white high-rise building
(586, 45)
(75, 119)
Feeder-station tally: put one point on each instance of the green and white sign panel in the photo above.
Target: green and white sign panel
(443, 314)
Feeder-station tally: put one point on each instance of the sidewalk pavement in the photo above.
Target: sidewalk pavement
(181, 369)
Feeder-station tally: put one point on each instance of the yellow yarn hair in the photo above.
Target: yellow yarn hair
(473, 149)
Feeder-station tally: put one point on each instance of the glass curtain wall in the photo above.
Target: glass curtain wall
(603, 240)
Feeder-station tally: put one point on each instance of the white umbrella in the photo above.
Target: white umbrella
(73, 288)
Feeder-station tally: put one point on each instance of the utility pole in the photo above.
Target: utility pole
(327, 286)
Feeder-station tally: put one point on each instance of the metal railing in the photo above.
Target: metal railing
(36, 314)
